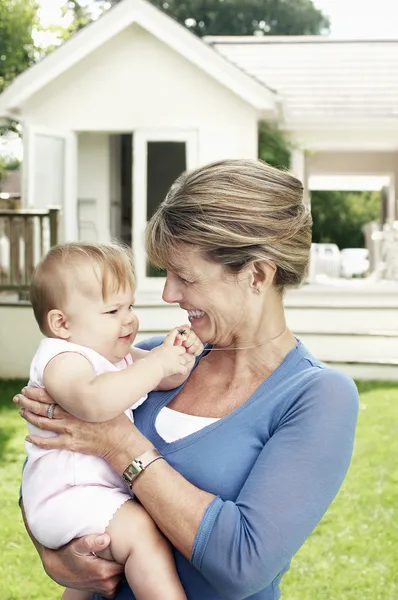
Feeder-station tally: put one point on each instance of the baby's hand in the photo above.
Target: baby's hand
(184, 336)
(173, 360)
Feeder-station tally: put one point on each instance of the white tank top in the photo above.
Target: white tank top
(172, 425)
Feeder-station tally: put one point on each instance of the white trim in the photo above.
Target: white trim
(347, 144)
(158, 24)
(347, 126)
(140, 138)
(69, 208)
(293, 39)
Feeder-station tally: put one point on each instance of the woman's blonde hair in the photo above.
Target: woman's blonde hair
(237, 212)
(49, 286)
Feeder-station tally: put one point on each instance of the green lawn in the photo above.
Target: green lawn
(352, 555)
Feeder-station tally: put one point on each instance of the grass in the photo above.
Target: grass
(351, 555)
(21, 574)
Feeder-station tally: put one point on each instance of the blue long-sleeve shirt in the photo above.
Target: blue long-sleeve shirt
(275, 465)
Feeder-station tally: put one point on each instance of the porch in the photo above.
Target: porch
(352, 327)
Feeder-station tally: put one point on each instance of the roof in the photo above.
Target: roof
(323, 82)
(156, 22)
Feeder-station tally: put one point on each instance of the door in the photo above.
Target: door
(159, 157)
(50, 174)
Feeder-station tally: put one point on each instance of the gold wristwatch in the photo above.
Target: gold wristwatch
(139, 464)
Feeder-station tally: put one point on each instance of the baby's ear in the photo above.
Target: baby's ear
(57, 324)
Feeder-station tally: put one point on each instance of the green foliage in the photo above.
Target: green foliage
(8, 164)
(246, 17)
(274, 145)
(339, 216)
(17, 20)
(12, 164)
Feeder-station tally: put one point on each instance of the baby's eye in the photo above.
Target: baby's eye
(131, 307)
(112, 312)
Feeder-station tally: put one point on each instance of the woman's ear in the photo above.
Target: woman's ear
(262, 275)
(57, 324)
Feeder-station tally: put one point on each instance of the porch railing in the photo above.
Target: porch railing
(25, 236)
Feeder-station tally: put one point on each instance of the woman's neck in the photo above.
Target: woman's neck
(238, 362)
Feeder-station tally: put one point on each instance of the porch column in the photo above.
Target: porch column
(391, 200)
(299, 168)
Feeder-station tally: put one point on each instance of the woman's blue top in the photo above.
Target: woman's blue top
(275, 465)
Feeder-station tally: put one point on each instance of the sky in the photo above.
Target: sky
(361, 18)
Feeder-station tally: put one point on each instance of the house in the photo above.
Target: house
(117, 112)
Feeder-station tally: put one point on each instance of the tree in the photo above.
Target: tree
(274, 145)
(339, 216)
(245, 17)
(17, 49)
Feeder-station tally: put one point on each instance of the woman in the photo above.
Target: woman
(256, 444)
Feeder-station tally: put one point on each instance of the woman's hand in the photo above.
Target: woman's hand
(76, 566)
(108, 439)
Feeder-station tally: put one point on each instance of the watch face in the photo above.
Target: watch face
(132, 471)
(135, 468)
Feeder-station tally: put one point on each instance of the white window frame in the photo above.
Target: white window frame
(140, 139)
(69, 207)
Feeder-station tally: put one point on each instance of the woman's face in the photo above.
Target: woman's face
(218, 304)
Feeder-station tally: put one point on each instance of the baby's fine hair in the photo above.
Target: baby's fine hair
(48, 289)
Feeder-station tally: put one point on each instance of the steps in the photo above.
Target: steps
(354, 328)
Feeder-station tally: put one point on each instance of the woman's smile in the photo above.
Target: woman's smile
(194, 315)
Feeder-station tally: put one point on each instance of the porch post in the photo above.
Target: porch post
(299, 168)
(391, 208)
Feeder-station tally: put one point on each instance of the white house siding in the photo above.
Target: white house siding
(136, 82)
(94, 186)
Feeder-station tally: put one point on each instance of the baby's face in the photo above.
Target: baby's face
(109, 327)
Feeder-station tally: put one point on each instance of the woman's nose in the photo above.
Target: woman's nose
(171, 292)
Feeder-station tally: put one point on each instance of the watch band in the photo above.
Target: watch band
(139, 464)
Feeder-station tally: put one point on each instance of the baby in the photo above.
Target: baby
(83, 296)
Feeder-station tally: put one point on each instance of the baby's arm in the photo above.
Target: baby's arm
(71, 381)
(179, 336)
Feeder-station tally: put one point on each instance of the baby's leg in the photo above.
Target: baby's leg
(138, 544)
(75, 595)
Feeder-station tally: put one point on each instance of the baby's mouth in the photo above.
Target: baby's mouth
(126, 337)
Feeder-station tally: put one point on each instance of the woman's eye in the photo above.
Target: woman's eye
(185, 281)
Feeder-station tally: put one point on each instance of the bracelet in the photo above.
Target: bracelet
(139, 464)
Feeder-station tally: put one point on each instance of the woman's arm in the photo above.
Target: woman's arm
(241, 546)
(76, 565)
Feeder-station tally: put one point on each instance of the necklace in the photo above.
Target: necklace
(255, 345)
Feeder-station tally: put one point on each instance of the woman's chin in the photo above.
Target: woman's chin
(200, 325)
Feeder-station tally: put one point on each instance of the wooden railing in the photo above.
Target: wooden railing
(25, 236)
